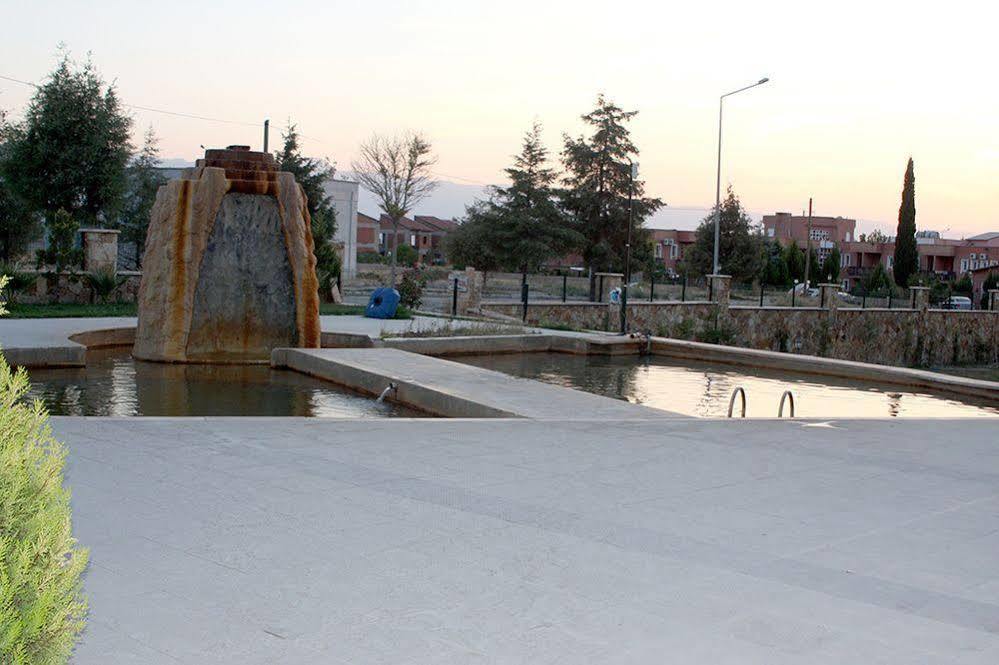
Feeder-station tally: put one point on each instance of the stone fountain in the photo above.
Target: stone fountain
(229, 271)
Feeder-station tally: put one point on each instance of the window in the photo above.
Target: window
(659, 250)
(845, 260)
(770, 232)
(891, 261)
(819, 234)
(964, 265)
(412, 240)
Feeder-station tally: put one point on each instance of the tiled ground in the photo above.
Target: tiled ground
(517, 541)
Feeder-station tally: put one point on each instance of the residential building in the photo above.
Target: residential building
(424, 233)
(670, 245)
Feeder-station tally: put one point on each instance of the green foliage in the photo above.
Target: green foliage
(906, 255)
(15, 281)
(717, 335)
(878, 280)
(470, 244)
(312, 175)
(739, 246)
(71, 310)
(62, 252)
(42, 608)
(991, 282)
(876, 237)
(522, 223)
(964, 285)
(411, 289)
(830, 267)
(19, 226)
(144, 180)
(370, 257)
(775, 270)
(70, 151)
(102, 284)
(406, 255)
(794, 257)
(597, 181)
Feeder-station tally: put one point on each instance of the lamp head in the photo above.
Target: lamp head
(763, 80)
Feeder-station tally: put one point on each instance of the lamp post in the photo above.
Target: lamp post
(721, 99)
(632, 174)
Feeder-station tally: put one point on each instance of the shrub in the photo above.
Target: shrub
(411, 289)
(42, 608)
(102, 284)
(370, 257)
(17, 281)
(406, 256)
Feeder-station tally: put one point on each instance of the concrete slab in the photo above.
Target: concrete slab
(528, 541)
(447, 388)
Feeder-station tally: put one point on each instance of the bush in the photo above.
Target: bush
(102, 284)
(17, 281)
(370, 257)
(42, 608)
(411, 289)
(406, 256)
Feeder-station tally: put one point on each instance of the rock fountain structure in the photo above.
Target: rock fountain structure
(229, 271)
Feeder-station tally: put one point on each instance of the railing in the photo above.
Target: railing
(731, 401)
(788, 395)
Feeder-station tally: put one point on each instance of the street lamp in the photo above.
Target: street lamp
(721, 99)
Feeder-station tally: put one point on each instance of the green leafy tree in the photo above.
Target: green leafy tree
(964, 285)
(830, 267)
(312, 174)
(596, 185)
(71, 150)
(794, 257)
(878, 280)
(406, 255)
(906, 260)
(876, 237)
(42, 608)
(19, 226)
(522, 223)
(144, 180)
(739, 248)
(775, 271)
(470, 245)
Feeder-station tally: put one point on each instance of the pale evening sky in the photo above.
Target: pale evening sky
(856, 87)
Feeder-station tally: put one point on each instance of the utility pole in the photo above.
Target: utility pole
(632, 173)
(267, 129)
(808, 246)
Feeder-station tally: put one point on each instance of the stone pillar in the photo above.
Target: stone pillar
(607, 282)
(994, 300)
(721, 289)
(828, 296)
(100, 250)
(920, 296)
(469, 290)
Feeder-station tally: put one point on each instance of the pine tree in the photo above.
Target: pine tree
(312, 175)
(831, 267)
(906, 262)
(596, 186)
(72, 148)
(523, 224)
(739, 243)
(144, 180)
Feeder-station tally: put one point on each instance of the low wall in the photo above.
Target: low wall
(72, 288)
(900, 337)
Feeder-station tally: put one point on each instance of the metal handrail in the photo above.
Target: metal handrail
(780, 409)
(731, 401)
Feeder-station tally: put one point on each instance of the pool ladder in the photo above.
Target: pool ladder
(788, 397)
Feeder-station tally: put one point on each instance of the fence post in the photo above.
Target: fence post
(600, 291)
(652, 287)
(524, 294)
(761, 294)
(889, 299)
(863, 302)
(565, 284)
(711, 289)
(683, 291)
(454, 299)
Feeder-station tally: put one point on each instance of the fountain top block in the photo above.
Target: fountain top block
(248, 171)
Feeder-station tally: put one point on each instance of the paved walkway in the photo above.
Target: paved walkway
(237, 540)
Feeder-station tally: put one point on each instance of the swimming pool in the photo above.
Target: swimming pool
(114, 384)
(703, 389)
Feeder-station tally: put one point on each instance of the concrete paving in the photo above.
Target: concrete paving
(452, 389)
(240, 540)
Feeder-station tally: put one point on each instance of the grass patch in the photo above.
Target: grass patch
(334, 309)
(484, 330)
(71, 310)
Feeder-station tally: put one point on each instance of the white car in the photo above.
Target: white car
(956, 302)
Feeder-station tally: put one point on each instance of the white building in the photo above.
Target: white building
(344, 194)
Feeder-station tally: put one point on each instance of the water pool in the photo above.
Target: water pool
(114, 384)
(703, 389)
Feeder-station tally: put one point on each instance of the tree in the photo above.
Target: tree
(397, 170)
(875, 237)
(830, 267)
(739, 246)
(991, 282)
(144, 180)
(470, 244)
(312, 174)
(794, 257)
(71, 150)
(62, 252)
(42, 608)
(596, 187)
(775, 271)
(906, 256)
(18, 225)
(522, 222)
(878, 279)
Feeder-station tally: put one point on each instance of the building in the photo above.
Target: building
(670, 245)
(424, 233)
(343, 195)
(947, 258)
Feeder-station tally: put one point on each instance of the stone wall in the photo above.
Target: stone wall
(70, 287)
(901, 337)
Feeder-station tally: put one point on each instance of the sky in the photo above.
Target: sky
(856, 88)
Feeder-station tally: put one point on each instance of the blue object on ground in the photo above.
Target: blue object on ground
(382, 304)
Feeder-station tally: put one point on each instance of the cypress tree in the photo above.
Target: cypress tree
(906, 262)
